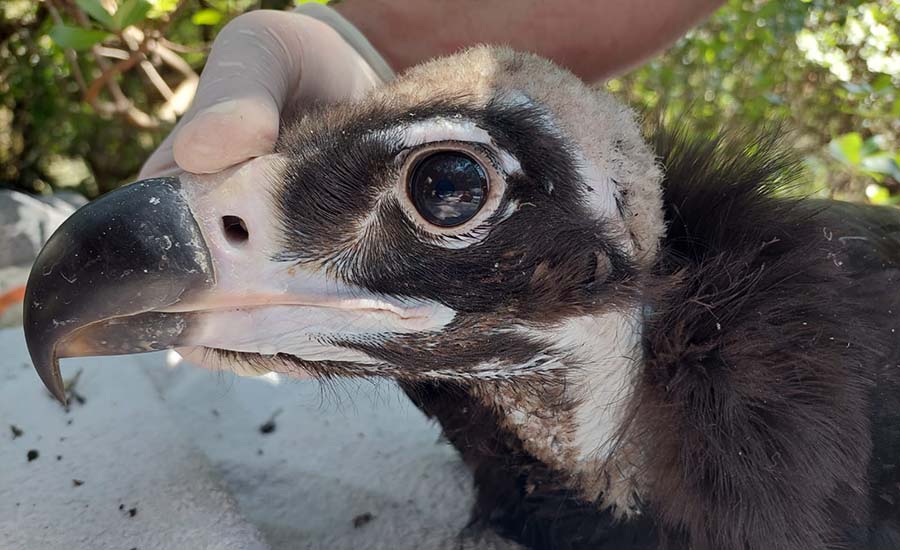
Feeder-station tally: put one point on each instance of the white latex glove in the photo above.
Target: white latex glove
(261, 63)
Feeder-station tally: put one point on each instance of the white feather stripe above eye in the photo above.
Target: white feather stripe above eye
(436, 130)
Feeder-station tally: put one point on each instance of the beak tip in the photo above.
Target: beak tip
(53, 381)
(60, 395)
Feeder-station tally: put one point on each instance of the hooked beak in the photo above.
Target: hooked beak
(174, 262)
(119, 257)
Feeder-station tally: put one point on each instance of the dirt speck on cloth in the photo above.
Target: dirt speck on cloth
(362, 519)
(269, 425)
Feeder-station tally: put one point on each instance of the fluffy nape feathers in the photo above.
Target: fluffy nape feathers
(764, 413)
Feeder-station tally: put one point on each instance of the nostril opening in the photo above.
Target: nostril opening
(235, 229)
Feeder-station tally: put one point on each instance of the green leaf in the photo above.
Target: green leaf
(847, 148)
(883, 83)
(130, 12)
(882, 163)
(161, 8)
(97, 12)
(871, 146)
(77, 38)
(206, 16)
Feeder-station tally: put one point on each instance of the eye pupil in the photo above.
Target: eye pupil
(444, 188)
(448, 188)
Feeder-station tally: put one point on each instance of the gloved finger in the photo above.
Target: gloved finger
(254, 66)
(253, 62)
(223, 135)
(261, 62)
(227, 133)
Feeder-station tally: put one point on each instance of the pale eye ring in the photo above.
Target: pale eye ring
(448, 188)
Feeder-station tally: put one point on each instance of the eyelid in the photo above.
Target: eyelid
(402, 153)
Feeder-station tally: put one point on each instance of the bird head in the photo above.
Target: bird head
(484, 221)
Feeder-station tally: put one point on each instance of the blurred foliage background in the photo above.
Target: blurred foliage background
(88, 88)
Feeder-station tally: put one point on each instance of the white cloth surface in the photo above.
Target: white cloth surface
(182, 448)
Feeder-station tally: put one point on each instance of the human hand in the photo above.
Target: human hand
(261, 63)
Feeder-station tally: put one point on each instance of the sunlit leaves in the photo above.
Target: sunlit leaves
(833, 59)
(867, 32)
(746, 66)
(160, 8)
(207, 16)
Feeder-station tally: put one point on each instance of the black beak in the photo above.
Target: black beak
(95, 285)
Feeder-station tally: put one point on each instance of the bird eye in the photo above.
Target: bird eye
(448, 188)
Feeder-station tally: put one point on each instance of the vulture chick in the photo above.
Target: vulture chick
(631, 346)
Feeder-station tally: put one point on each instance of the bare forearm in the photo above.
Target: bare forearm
(593, 38)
